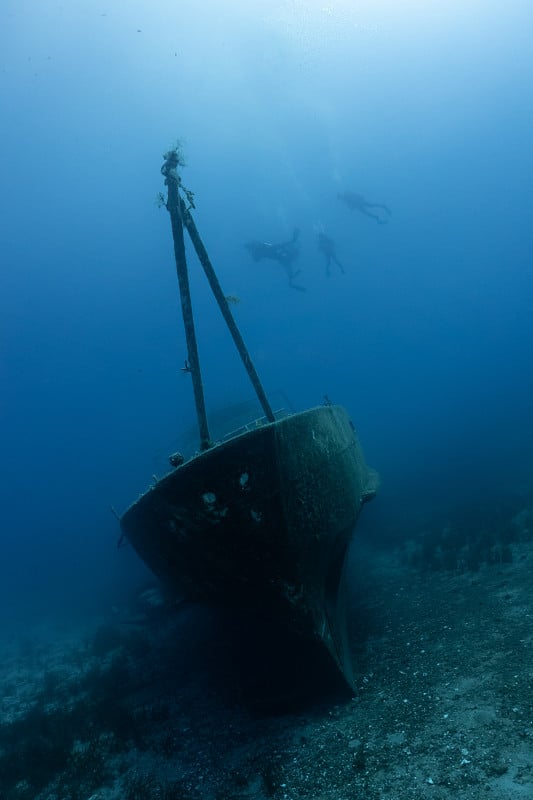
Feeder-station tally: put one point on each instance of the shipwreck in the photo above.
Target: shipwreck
(263, 518)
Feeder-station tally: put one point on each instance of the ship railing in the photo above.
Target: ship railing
(259, 422)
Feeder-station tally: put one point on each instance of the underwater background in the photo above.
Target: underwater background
(279, 106)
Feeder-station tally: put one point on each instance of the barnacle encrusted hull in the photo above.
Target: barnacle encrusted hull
(263, 522)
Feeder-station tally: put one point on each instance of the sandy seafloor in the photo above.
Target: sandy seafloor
(149, 703)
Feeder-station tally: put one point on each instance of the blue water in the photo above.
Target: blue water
(280, 105)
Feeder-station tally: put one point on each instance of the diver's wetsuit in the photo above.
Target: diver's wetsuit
(327, 246)
(285, 253)
(358, 203)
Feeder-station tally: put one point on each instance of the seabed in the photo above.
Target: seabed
(156, 702)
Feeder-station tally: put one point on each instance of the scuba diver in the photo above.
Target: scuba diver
(358, 203)
(327, 246)
(285, 253)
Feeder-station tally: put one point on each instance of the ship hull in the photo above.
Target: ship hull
(263, 522)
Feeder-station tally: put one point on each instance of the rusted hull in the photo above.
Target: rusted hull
(263, 522)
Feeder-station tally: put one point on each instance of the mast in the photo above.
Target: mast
(172, 182)
(181, 217)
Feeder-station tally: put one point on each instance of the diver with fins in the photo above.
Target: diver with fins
(356, 202)
(285, 253)
(327, 246)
